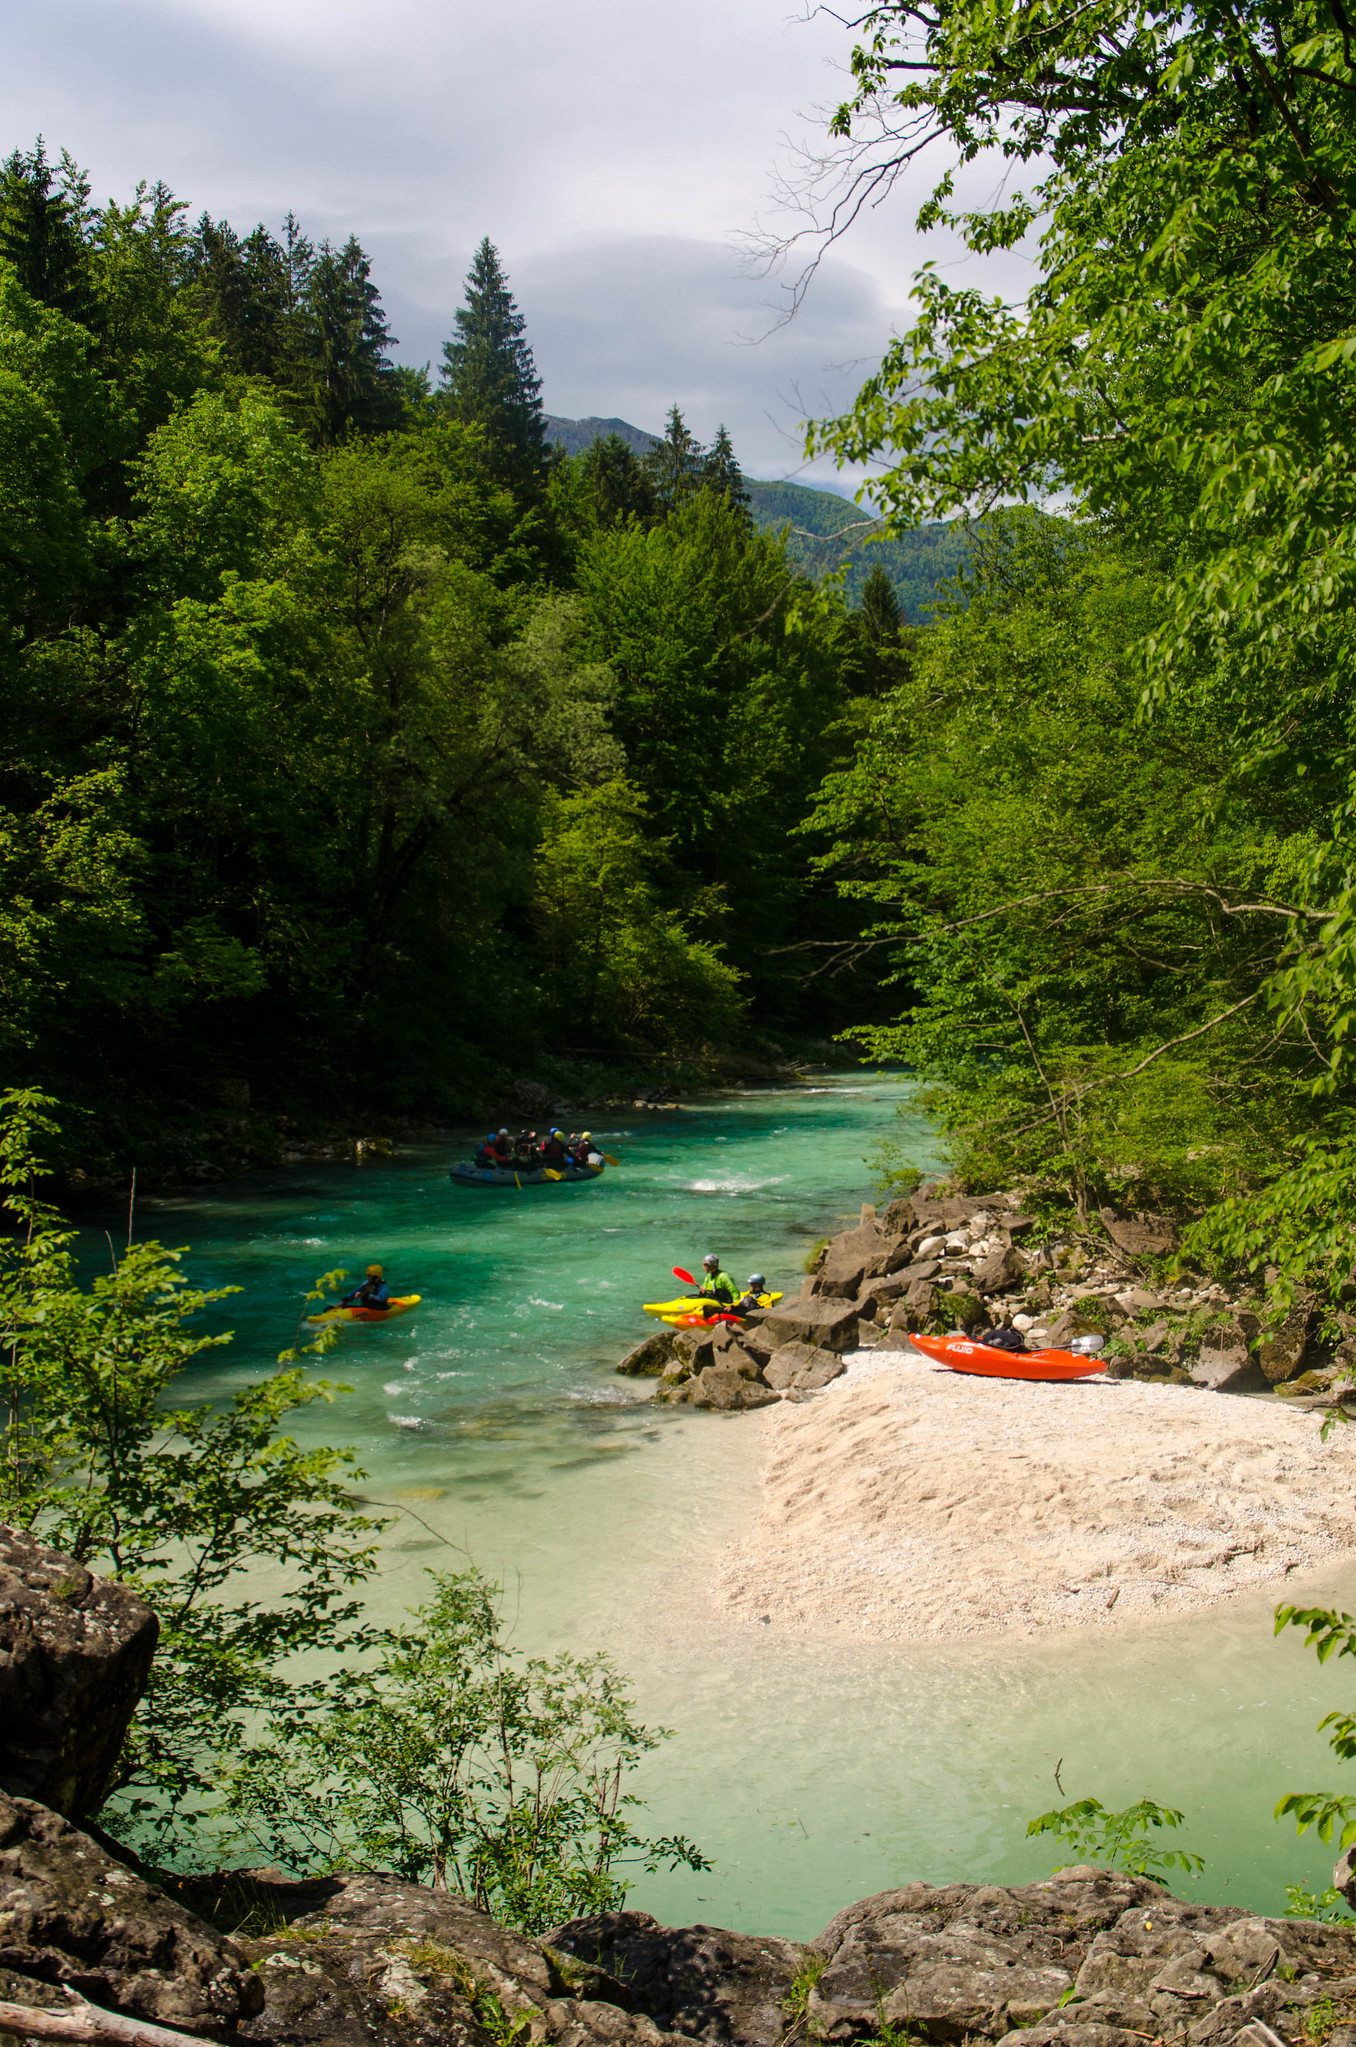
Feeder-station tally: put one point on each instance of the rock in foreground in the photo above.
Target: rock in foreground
(75, 1651)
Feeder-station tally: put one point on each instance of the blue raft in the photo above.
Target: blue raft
(507, 1176)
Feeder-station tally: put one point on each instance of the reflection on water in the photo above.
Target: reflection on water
(812, 1772)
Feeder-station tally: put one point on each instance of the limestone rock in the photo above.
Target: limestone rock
(1227, 1368)
(649, 1358)
(1282, 1354)
(696, 1346)
(727, 1391)
(831, 1324)
(697, 1981)
(803, 1366)
(371, 1961)
(1000, 1270)
(1139, 1236)
(75, 1651)
(70, 1914)
(963, 1959)
(854, 1256)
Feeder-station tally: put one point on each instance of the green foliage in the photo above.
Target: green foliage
(489, 378)
(1118, 1840)
(457, 1760)
(614, 961)
(1084, 912)
(103, 1457)
(803, 1981)
(1328, 1905)
(1328, 1633)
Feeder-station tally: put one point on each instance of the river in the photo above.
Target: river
(812, 1772)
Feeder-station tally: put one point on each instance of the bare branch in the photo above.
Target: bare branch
(87, 2022)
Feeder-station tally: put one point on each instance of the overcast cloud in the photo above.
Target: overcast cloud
(611, 148)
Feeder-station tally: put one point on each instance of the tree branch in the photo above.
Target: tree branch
(86, 2021)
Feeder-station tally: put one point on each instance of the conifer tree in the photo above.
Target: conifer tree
(349, 385)
(879, 608)
(617, 480)
(43, 210)
(249, 289)
(675, 464)
(489, 378)
(721, 472)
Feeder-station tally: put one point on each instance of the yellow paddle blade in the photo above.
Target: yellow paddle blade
(547, 1174)
(609, 1160)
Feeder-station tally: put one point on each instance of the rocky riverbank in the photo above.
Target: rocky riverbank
(943, 1262)
(93, 1947)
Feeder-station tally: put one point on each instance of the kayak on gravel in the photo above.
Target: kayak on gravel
(962, 1355)
(399, 1305)
(533, 1176)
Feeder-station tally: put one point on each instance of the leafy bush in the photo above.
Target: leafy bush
(458, 1761)
(1118, 1840)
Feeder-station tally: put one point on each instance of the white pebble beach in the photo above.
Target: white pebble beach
(910, 1501)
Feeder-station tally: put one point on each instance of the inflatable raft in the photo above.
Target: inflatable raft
(400, 1305)
(964, 1356)
(510, 1176)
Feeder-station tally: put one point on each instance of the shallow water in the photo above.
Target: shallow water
(812, 1772)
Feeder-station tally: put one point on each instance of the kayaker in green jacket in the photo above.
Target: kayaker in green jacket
(716, 1285)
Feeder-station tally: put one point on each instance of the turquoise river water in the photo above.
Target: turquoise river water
(811, 1771)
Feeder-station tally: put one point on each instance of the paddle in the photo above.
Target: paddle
(547, 1174)
(608, 1159)
(678, 1273)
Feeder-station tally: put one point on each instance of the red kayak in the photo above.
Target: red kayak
(964, 1356)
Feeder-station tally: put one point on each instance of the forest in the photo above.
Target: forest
(1105, 822)
(359, 747)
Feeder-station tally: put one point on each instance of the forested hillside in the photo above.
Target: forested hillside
(823, 532)
(1105, 822)
(358, 747)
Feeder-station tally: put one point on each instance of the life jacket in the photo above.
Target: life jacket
(501, 1150)
(554, 1152)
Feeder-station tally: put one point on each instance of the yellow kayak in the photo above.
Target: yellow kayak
(400, 1305)
(696, 1304)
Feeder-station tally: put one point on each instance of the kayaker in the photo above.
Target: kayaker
(716, 1285)
(753, 1297)
(553, 1152)
(373, 1293)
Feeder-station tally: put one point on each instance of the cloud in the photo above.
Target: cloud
(610, 148)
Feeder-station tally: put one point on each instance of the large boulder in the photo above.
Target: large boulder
(372, 1961)
(1139, 1236)
(962, 1961)
(871, 1251)
(649, 1358)
(70, 1914)
(802, 1367)
(75, 1651)
(700, 1981)
(830, 1324)
(1001, 1269)
(1282, 1353)
(726, 1390)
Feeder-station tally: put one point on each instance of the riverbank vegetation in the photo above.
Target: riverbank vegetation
(357, 746)
(1104, 824)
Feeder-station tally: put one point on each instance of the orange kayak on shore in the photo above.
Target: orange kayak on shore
(964, 1356)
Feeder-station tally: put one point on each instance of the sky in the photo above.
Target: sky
(615, 151)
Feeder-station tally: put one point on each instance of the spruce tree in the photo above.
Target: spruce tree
(248, 290)
(619, 484)
(879, 608)
(43, 210)
(675, 464)
(489, 378)
(348, 383)
(721, 473)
